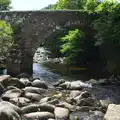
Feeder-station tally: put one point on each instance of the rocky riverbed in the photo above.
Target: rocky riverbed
(28, 98)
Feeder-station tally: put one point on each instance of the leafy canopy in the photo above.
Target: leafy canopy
(6, 40)
(5, 4)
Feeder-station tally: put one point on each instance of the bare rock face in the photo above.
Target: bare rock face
(113, 112)
(39, 116)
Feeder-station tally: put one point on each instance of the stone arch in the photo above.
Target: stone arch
(38, 25)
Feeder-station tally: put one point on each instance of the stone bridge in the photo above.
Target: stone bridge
(36, 27)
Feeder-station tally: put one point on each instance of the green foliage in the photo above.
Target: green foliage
(5, 4)
(71, 46)
(6, 40)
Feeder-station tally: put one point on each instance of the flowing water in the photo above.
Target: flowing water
(106, 92)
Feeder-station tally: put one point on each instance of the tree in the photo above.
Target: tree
(72, 46)
(107, 36)
(6, 40)
(5, 4)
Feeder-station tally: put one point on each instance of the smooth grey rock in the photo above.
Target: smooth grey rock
(14, 93)
(34, 90)
(47, 107)
(4, 79)
(25, 81)
(30, 108)
(39, 84)
(33, 96)
(74, 93)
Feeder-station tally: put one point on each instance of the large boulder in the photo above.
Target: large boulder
(25, 81)
(30, 108)
(39, 116)
(33, 96)
(47, 107)
(34, 90)
(14, 93)
(40, 84)
(61, 113)
(113, 112)
(9, 111)
(14, 82)
(20, 101)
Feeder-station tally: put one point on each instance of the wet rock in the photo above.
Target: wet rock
(74, 93)
(39, 84)
(34, 90)
(14, 93)
(20, 101)
(113, 112)
(30, 108)
(39, 116)
(92, 82)
(33, 96)
(61, 113)
(103, 82)
(25, 81)
(47, 107)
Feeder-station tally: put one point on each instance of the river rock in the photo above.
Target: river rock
(44, 100)
(33, 96)
(86, 102)
(30, 108)
(113, 112)
(61, 113)
(53, 102)
(4, 79)
(9, 111)
(14, 82)
(39, 116)
(25, 81)
(65, 85)
(60, 81)
(39, 84)
(47, 107)
(74, 93)
(20, 101)
(34, 90)
(23, 75)
(14, 93)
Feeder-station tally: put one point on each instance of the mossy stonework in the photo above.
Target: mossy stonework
(36, 27)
